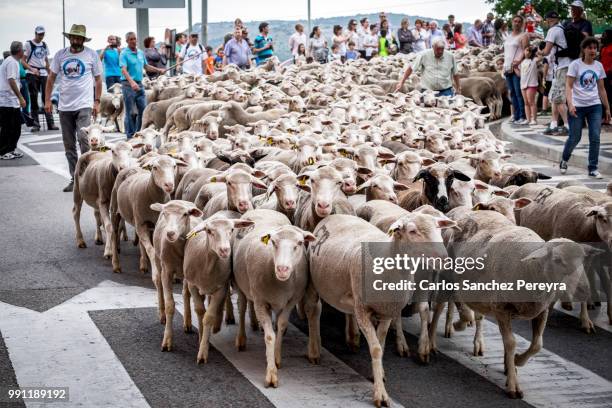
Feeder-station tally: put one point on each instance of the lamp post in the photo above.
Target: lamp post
(64, 21)
(309, 16)
(204, 27)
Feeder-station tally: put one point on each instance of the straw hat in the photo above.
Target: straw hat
(77, 30)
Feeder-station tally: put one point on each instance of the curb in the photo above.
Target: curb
(547, 148)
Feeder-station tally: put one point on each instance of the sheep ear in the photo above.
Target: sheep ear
(446, 223)
(400, 187)
(304, 187)
(308, 237)
(591, 251)
(271, 189)
(396, 226)
(364, 185)
(302, 179)
(195, 212)
(219, 178)
(521, 202)
(386, 156)
(85, 129)
(542, 176)
(597, 211)
(501, 193)
(243, 223)
(224, 158)
(180, 163)
(157, 207)
(258, 173)
(198, 228)
(364, 172)
(419, 175)
(427, 162)
(480, 207)
(265, 239)
(258, 183)
(537, 255)
(460, 176)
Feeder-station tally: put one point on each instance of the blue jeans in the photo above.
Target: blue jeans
(25, 112)
(513, 82)
(112, 80)
(446, 92)
(592, 114)
(131, 97)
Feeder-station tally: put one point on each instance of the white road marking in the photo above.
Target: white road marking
(547, 380)
(599, 316)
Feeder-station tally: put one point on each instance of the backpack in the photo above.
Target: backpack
(573, 38)
(199, 46)
(33, 47)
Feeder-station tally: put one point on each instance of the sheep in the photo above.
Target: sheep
(271, 270)
(512, 174)
(377, 187)
(285, 188)
(93, 183)
(133, 192)
(111, 108)
(238, 193)
(95, 136)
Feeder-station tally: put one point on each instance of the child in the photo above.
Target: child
(336, 53)
(351, 54)
(529, 83)
(219, 58)
(548, 77)
(210, 61)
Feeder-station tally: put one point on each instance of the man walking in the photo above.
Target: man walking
(76, 67)
(263, 46)
(35, 60)
(132, 62)
(110, 57)
(438, 70)
(11, 101)
(237, 51)
(488, 30)
(193, 57)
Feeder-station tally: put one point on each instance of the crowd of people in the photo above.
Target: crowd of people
(572, 84)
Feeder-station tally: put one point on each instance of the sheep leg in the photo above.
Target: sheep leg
(76, 214)
(312, 308)
(219, 312)
(115, 221)
(241, 334)
(585, 321)
(143, 262)
(161, 308)
(98, 235)
(466, 317)
(448, 327)
(424, 345)
(229, 308)
(198, 305)
(214, 304)
(253, 317)
(433, 326)
(606, 283)
(282, 321)
(351, 333)
(401, 345)
(265, 318)
(124, 235)
(505, 328)
(108, 229)
(538, 324)
(381, 398)
(187, 326)
(166, 278)
(478, 337)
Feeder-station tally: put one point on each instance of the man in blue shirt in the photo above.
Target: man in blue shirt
(110, 57)
(132, 62)
(237, 51)
(263, 46)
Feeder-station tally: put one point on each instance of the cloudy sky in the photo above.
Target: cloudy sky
(103, 17)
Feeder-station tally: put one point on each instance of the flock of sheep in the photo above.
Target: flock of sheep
(264, 184)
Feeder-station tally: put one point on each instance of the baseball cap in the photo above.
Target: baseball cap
(577, 3)
(39, 30)
(551, 14)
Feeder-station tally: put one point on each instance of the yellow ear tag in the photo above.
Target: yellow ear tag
(311, 161)
(103, 148)
(269, 141)
(390, 233)
(147, 167)
(213, 179)
(191, 235)
(343, 153)
(173, 151)
(265, 239)
(302, 181)
(294, 147)
(261, 137)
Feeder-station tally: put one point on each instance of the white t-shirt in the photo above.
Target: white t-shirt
(9, 70)
(295, 40)
(370, 44)
(529, 73)
(422, 39)
(584, 91)
(38, 58)
(194, 65)
(556, 36)
(362, 33)
(512, 50)
(75, 74)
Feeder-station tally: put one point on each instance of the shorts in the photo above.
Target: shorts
(531, 88)
(557, 90)
(547, 87)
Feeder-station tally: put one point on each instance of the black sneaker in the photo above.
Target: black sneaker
(550, 131)
(563, 167)
(69, 187)
(17, 154)
(562, 131)
(595, 174)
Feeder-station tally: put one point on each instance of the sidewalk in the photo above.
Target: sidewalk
(530, 139)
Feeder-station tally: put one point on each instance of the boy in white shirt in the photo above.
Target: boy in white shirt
(11, 101)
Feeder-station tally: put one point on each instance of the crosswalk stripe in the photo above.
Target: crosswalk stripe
(599, 316)
(547, 380)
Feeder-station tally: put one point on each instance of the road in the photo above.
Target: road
(67, 320)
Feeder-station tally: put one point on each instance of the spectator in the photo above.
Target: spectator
(605, 56)
(209, 61)
(514, 48)
(11, 101)
(263, 47)
(317, 46)
(405, 37)
(351, 33)
(351, 53)
(181, 40)
(585, 98)
(335, 53)
(340, 40)
(383, 19)
(578, 21)
(547, 73)
(132, 62)
(421, 36)
(385, 25)
(110, 57)
(438, 70)
(529, 82)
(501, 31)
(383, 44)
(475, 34)
(237, 51)
(371, 42)
(219, 58)
(301, 52)
(435, 33)
(36, 60)
(363, 31)
(25, 111)
(76, 67)
(451, 20)
(296, 39)
(154, 58)
(237, 24)
(192, 56)
(448, 36)
(555, 42)
(488, 30)
(458, 38)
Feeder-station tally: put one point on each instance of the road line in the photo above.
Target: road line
(599, 316)
(547, 380)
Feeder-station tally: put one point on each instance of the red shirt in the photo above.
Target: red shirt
(460, 40)
(606, 58)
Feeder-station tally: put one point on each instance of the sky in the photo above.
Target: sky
(104, 17)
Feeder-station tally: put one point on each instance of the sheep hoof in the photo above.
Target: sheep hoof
(177, 280)
(590, 329)
(166, 347)
(448, 333)
(144, 270)
(188, 329)
(567, 305)
(403, 351)
(162, 319)
(271, 379)
(278, 364)
(201, 360)
(230, 320)
(254, 326)
(314, 360)
(597, 304)
(81, 244)
(107, 256)
(518, 394)
(117, 269)
(382, 400)
(99, 242)
(424, 358)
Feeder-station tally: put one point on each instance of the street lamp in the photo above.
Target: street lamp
(64, 21)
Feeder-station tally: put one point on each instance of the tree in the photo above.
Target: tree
(598, 11)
